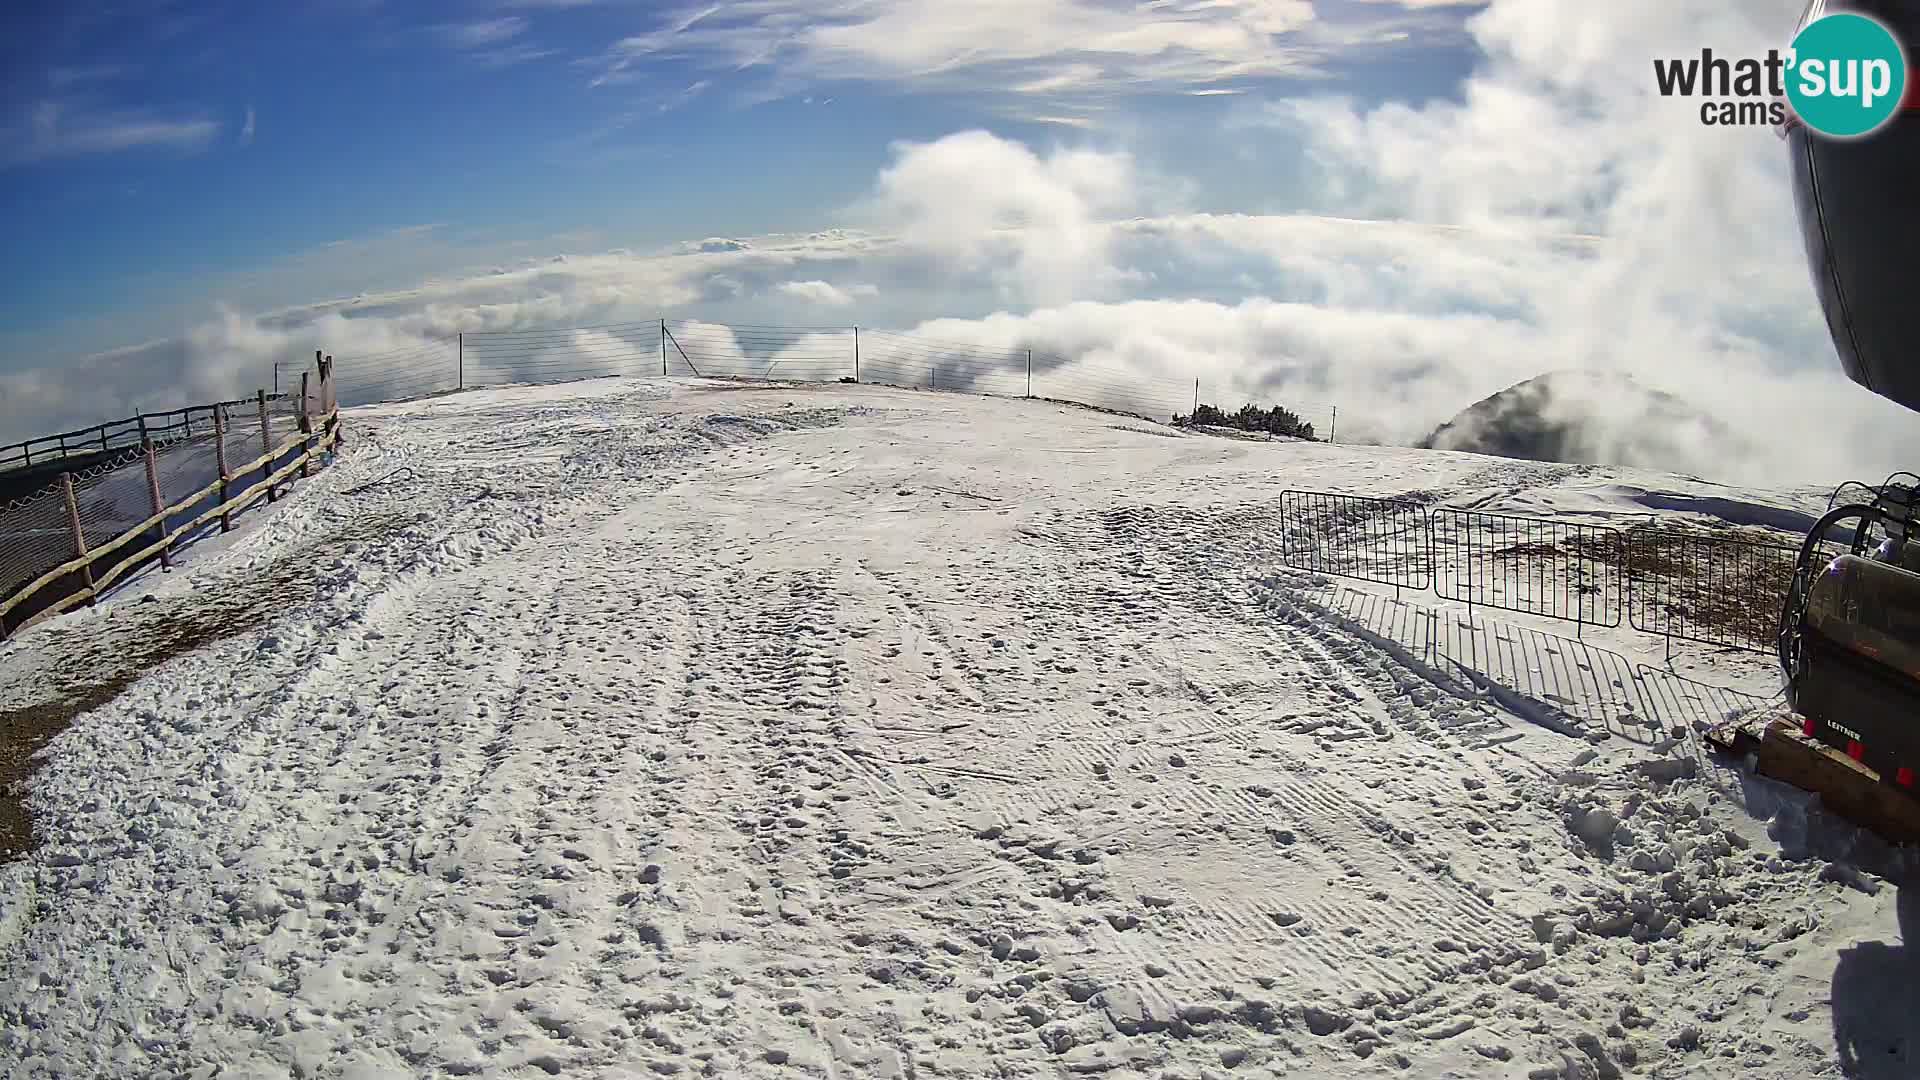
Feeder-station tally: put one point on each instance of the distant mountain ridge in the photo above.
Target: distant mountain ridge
(1585, 418)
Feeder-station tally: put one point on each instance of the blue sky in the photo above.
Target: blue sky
(159, 155)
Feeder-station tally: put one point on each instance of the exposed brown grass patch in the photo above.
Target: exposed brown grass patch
(74, 669)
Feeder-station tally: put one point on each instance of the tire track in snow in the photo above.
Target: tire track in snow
(1316, 810)
(766, 647)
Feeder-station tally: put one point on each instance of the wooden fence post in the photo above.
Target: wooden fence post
(1335, 426)
(330, 404)
(663, 346)
(856, 354)
(266, 440)
(1029, 372)
(153, 493)
(306, 427)
(79, 534)
(220, 459)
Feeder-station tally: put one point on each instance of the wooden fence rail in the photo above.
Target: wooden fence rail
(99, 583)
(162, 428)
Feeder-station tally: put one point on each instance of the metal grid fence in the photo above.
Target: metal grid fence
(1719, 590)
(1558, 569)
(1372, 539)
(1716, 590)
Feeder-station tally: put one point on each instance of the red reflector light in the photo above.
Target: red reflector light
(1856, 750)
(1808, 727)
(1904, 777)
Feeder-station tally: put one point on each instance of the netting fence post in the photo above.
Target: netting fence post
(79, 534)
(153, 494)
(1333, 427)
(1029, 372)
(663, 346)
(266, 440)
(459, 361)
(856, 354)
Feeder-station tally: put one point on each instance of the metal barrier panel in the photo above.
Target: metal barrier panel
(1357, 536)
(1558, 569)
(1680, 702)
(1716, 590)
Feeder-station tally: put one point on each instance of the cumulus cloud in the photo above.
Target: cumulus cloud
(985, 204)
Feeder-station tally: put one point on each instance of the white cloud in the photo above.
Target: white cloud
(824, 292)
(52, 130)
(61, 78)
(1037, 47)
(994, 206)
(511, 55)
(481, 33)
(247, 128)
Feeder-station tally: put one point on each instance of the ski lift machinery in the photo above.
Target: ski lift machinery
(1849, 638)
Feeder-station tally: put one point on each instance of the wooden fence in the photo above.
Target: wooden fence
(99, 567)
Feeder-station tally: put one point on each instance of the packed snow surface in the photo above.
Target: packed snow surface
(650, 728)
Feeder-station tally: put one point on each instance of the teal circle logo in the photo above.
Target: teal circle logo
(1846, 75)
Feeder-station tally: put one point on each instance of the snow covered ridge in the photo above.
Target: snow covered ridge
(676, 727)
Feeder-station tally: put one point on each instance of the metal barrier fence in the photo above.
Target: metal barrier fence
(1716, 590)
(1536, 566)
(1724, 591)
(1373, 539)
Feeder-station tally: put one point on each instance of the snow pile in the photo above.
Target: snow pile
(629, 729)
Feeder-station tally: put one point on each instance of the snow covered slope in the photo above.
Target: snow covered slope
(638, 728)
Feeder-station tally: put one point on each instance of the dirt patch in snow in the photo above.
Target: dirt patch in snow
(75, 668)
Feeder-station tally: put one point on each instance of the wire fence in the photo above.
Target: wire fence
(1717, 590)
(684, 347)
(1684, 585)
(86, 524)
(1537, 566)
(1382, 540)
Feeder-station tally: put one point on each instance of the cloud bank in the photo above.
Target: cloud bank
(1557, 216)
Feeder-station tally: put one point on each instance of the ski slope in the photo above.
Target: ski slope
(653, 728)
